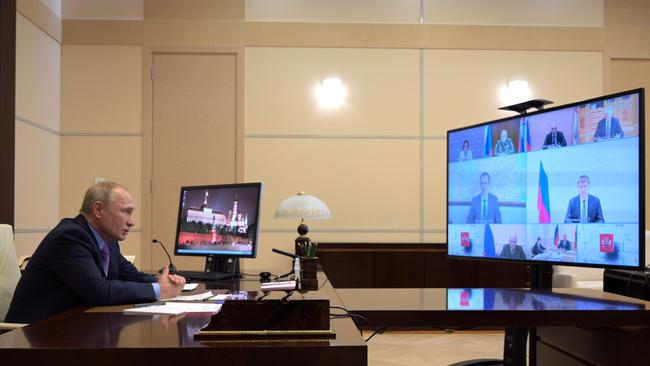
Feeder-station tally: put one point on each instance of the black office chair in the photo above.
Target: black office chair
(514, 350)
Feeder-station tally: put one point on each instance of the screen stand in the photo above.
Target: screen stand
(540, 276)
(222, 268)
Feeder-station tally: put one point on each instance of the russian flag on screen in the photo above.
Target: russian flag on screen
(489, 242)
(556, 237)
(543, 200)
(524, 135)
(487, 141)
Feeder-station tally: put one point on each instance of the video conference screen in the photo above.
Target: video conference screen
(562, 185)
(218, 220)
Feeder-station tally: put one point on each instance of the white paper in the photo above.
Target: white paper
(175, 308)
(190, 286)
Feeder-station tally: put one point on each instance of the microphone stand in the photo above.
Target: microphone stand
(172, 268)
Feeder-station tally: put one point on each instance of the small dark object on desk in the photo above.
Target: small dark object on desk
(265, 277)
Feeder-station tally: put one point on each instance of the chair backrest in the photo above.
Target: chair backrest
(9, 272)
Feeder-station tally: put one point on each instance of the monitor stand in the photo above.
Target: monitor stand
(222, 268)
(514, 348)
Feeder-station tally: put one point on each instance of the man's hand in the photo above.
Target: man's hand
(170, 285)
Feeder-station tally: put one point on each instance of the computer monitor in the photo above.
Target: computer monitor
(563, 185)
(219, 222)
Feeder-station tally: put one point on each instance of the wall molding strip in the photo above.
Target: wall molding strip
(47, 230)
(357, 230)
(101, 134)
(342, 137)
(29, 122)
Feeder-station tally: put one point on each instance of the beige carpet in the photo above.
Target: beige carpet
(432, 348)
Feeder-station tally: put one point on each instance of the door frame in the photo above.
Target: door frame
(147, 129)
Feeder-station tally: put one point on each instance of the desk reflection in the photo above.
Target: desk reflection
(527, 300)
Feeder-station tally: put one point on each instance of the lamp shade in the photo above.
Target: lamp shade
(302, 206)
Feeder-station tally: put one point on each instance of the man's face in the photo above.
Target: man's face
(116, 217)
(485, 183)
(512, 241)
(564, 237)
(554, 129)
(583, 188)
(504, 135)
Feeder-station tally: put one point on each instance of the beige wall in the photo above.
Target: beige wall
(378, 161)
(101, 125)
(37, 133)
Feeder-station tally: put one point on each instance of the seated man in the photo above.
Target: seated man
(485, 206)
(554, 138)
(608, 127)
(564, 244)
(538, 248)
(512, 250)
(584, 208)
(79, 262)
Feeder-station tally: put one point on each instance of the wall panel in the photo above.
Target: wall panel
(371, 184)
(37, 75)
(562, 13)
(462, 87)
(101, 89)
(83, 158)
(358, 11)
(382, 91)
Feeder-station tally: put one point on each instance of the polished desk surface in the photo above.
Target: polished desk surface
(440, 307)
(164, 338)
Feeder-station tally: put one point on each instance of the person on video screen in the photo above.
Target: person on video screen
(512, 250)
(608, 127)
(466, 152)
(564, 244)
(554, 138)
(485, 206)
(584, 208)
(504, 145)
(538, 248)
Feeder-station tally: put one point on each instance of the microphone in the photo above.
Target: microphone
(172, 268)
(285, 253)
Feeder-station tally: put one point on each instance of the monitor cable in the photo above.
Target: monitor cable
(356, 317)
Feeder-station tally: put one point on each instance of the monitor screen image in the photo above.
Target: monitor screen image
(559, 186)
(218, 220)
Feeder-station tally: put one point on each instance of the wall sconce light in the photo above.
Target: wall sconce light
(330, 93)
(515, 92)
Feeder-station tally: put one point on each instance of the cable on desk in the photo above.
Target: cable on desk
(353, 316)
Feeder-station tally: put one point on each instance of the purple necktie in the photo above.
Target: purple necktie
(105, 258)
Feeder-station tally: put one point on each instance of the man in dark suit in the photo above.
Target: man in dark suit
(538, 248)
(512, 250)
(554, 138)
(584, 208)
(608, 127)
(564, 244)
(79, 262)
(485, 207)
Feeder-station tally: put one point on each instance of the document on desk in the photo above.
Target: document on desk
(175, 308)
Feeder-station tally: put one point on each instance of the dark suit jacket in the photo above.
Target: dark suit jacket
(560, 140)
(538, 249)
(66, 272)
(594, 211)
(493, 214)
(517, 253)
(614, 128)
(564, 244)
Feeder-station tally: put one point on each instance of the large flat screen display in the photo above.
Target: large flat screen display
(562, 186)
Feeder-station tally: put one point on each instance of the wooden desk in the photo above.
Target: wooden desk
(569, 326)
(105, 336)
